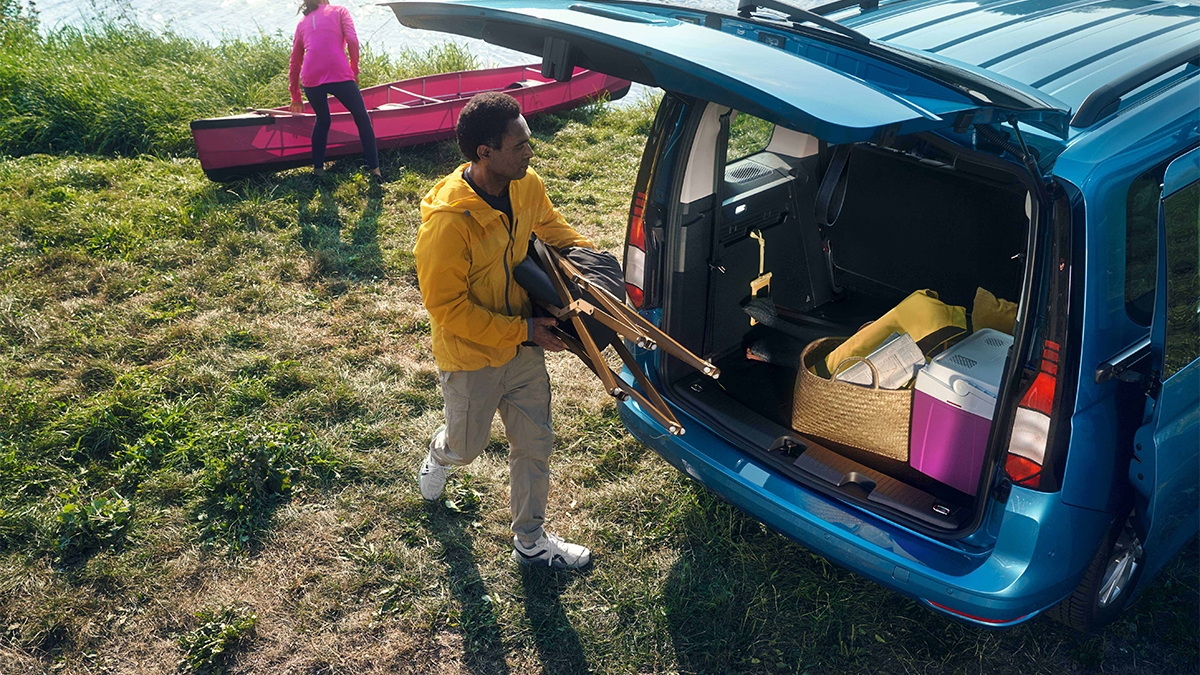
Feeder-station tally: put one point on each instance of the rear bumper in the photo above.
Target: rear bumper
(1042, 545)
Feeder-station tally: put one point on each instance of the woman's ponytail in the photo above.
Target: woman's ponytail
(307, 6)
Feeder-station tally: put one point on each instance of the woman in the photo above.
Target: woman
(323, 36)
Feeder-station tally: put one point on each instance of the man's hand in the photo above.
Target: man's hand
(542, 336)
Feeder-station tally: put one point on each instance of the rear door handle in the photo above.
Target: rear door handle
(1124, 361)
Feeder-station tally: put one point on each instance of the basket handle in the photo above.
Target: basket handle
(855, 359)
(804, 352)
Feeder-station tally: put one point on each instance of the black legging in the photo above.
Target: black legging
(347, 92)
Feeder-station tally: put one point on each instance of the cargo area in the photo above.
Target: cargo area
(914, 218)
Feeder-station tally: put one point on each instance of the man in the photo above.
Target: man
(475, 229)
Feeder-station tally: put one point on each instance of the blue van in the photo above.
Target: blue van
(857, 152)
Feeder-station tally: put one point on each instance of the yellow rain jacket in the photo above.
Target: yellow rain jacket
(466, 252)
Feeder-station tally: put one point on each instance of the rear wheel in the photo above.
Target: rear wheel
(1105, 588)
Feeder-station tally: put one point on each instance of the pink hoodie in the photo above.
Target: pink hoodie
(322, 39)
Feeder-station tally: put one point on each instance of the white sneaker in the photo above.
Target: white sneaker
(432, 478)
(552, 551)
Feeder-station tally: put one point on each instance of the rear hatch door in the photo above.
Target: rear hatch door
(838, 88)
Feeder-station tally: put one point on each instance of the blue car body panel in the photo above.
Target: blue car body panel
(1102, 179)
(1166, 459)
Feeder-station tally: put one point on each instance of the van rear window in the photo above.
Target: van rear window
(1183, 279)
(1141, 244)
(748, 135)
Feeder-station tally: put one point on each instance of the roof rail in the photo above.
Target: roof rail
(831, 7)
(1104, 101)
(798, 15)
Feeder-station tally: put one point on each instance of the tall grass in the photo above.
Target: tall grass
(119, 89)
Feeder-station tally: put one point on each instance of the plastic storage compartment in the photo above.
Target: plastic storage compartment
(953, 402)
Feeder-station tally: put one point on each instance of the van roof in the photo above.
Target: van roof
(867, 69)
(1067, 50)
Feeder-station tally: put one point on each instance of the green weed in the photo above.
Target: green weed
(462, 495)
(208, 647)
(23, 408)
(247, 471)
(85, 525)
(18, 20)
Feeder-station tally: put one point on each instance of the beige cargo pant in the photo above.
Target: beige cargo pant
(520, 390)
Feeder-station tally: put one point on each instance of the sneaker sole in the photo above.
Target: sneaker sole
(558, 562)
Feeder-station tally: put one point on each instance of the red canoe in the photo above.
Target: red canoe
(404, 113)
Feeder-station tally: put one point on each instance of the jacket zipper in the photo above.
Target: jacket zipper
(509, 227)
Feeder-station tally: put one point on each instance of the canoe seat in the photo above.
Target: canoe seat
(523, 84)
(392, 106)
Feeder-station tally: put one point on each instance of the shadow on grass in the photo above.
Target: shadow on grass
(321, 230)
(558, 645)
(741, 598)
(557, 641)
(483, 646)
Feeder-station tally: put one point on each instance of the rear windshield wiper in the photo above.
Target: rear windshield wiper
(797, 15)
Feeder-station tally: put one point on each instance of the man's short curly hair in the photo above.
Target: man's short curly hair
(483, 121)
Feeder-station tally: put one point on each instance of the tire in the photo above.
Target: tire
(1108, 583)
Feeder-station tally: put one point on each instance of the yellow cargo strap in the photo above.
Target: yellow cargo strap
(760, 286)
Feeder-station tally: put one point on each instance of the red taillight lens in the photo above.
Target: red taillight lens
(1040, 395)
(635, 252)
(1023, 471)
(1031, 425)
(635, 295)
(637, 230)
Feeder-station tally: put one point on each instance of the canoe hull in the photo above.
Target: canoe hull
(405, 113)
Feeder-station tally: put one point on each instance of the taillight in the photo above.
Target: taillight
(635, 252)
(1031, 424)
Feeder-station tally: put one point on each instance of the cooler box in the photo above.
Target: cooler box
(953, 402)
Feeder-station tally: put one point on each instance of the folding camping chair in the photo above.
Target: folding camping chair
(617, 317)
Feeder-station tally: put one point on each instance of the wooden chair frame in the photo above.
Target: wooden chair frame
(627, 324)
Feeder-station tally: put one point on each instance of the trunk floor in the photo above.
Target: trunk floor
(767, 389)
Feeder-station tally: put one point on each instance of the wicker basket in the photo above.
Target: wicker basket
(872, 419)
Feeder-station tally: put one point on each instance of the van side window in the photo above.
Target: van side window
(747, 135)
(1182, 213)
(1141, 244)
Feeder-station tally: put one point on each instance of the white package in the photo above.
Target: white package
(898, 359)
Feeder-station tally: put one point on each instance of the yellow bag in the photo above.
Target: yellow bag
(992, 312)
(927, 320)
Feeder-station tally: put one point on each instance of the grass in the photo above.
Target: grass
(213, 399)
